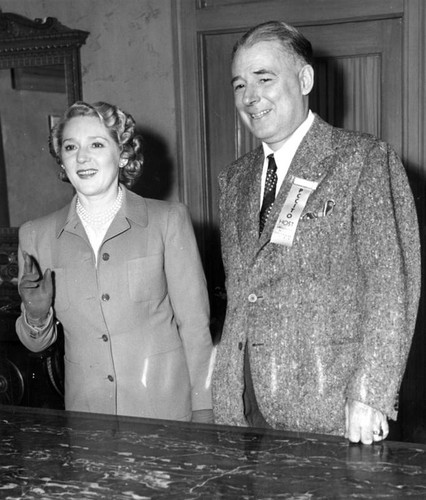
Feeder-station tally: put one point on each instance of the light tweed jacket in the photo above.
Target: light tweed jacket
(333, 316)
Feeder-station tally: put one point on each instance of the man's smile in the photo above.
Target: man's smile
(257, 116)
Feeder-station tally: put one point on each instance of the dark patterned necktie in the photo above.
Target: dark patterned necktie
(269, 192)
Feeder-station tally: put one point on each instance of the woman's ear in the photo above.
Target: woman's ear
(306, 79)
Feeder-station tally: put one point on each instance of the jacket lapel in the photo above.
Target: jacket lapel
(69, 221)
(133, 209)
(308, 163)
(249, 202)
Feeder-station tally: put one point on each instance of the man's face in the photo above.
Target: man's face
(270, 89)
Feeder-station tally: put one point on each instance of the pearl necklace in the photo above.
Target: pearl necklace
(103, 218)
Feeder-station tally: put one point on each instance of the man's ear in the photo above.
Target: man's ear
(306, 79)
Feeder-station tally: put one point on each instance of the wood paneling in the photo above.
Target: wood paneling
(246, 14)
(348, 92)
(371, 76)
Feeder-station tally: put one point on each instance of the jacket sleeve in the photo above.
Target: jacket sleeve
(385, 230)
(188, 294)
(34, 339)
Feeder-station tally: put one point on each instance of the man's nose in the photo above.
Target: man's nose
(251, 95)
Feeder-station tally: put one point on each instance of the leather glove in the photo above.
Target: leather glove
(36, 291)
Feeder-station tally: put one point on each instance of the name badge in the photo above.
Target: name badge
(286, 225)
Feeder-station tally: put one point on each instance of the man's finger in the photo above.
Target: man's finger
(377, 435)
(366, 436)
(354, 433)
(380, 427)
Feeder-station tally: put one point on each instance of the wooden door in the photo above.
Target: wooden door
(356, 88)
(370, 76)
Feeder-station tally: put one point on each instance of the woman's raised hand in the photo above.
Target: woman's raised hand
(36, 291)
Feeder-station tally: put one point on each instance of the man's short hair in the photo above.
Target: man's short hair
(292, 39)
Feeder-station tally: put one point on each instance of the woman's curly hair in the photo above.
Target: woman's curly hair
(121, 127)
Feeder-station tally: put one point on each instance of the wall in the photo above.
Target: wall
(31, 172)
(127, 60)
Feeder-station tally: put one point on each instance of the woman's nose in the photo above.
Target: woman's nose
(82, 155)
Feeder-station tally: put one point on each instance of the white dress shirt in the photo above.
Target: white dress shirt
(284, 155)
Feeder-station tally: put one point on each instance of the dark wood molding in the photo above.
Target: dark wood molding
(41, 42)
(228, 15)
(192, 192)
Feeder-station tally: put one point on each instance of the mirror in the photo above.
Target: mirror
(40, 76)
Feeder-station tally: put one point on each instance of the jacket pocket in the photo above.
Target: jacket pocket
(146, 278)
(168, 386)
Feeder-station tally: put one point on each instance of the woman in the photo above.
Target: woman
(122, 274)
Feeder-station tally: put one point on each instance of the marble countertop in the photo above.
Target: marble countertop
(49, 454)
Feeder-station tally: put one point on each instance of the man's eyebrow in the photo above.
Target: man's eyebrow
(257, 72)
(264, 72)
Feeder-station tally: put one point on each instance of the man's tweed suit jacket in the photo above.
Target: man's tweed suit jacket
(331, 317)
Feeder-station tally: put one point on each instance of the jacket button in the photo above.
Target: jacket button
(105, 256)
(252, 297)
(105, 297)
(105, 338)
(240, 346)
(110, 378)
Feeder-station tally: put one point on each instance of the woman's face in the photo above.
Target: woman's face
(90, 156)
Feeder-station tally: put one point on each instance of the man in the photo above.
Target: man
(322, 282)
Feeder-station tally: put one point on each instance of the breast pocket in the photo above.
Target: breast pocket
(315, 230)
(146, 278)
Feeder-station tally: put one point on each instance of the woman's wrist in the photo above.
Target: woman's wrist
(37, 322)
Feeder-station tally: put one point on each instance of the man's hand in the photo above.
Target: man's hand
(364, 423)
(36, 291)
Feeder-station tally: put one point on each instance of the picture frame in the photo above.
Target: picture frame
(53, 120)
